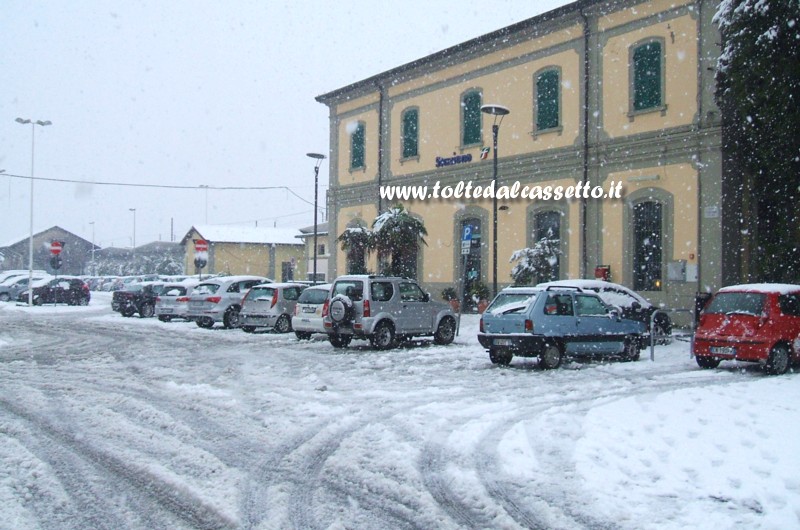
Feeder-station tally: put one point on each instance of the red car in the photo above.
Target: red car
(755, 322)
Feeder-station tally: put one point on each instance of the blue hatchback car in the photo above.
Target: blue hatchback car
(556, 322)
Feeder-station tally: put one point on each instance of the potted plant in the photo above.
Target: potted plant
(479, 292)
(449, 294)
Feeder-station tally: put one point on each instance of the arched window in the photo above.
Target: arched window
(548, 111)
(357, 146)
(647, 64)
(410, 133)
(648, 240)
(471, 118)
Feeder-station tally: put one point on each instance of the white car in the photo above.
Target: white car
(307, 318)
(173, 302)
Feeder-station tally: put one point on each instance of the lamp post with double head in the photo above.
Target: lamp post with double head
(498, 111)
(319, 158)
(41, 123)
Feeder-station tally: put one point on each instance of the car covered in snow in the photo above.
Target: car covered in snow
(633, 305)
(10, 289)
(307, 318)
(173, 301)
(752, 322)
(384, 310)
(220, 300)
(556, 322)
(69, 290)
(269, 306)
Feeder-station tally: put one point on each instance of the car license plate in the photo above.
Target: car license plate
(166, 310)
(309, 309)
(502, 342)
(723, 350)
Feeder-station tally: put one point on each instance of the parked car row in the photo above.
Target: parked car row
(552, 321)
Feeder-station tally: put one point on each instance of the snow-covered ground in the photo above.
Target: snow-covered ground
(112, 422)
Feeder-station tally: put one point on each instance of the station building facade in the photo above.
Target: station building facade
(601, 93)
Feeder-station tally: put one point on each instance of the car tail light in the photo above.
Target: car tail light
(325, 308)
(158, 298)
(367, 311)
(182, 299)
(213, 299)
(274, 298)
(528, 325)
(481, 325)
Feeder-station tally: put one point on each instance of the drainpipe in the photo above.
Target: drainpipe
(584, 201)
(381, 97)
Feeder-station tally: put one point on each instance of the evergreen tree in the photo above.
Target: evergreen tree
(536, 264)
(758, 86)
(356, 243)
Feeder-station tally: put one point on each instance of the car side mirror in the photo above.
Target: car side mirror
(614, 314)
(426, 297)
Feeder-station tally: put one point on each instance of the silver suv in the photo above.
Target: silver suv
(220, 300)
(385, 310)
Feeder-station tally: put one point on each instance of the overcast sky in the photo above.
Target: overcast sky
(190, 93)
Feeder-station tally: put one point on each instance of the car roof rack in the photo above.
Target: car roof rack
(564, 288)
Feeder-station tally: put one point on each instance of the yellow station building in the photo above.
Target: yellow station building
(599, 92)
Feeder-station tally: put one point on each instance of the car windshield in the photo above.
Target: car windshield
(206, 288)
(260, 293)
(505, 301)
(741, 303)
(313, 296)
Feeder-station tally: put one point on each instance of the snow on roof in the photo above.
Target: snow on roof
(249, 234)
(780, 288)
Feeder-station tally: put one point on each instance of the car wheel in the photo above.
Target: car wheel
(706, 362)
(552, 356)
(147, 311)
(778, 361)
(630, 351)
(248, 329)
(340, 341)
(4, 297)
(283, 325)
(502, 358)
(205, 322)
(83, 301)
(164, 318)
(303, 335)
(231, 318)
(383, 336)
(446, 331)
(38, 301)
(128, 312)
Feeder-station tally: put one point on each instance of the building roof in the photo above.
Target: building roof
(245, 234)
(308, 231)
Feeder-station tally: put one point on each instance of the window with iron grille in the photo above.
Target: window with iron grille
(647, 246)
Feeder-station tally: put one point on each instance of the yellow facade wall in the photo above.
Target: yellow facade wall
(680, 180)
(680, 86)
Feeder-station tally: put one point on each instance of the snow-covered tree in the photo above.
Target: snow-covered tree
(396, 236)
(536, 264)
(758, 86)
(356, 243)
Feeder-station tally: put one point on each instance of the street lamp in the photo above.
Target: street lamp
(205, 186)
(30, 245)
(94, 267)
(134, 231)
(319, 158)
(495, 110)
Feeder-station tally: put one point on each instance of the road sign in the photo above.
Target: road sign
(56, 247)
(200, 245)
(467, 234)
(465, 246)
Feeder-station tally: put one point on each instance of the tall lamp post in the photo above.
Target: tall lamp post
(134, 231)
(94, 267)
(498, 111)
(30, 243)
(319, 158)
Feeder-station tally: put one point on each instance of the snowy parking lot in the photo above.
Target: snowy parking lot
(112, 422)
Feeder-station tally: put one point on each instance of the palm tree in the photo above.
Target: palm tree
(356, 242)
(396, 236)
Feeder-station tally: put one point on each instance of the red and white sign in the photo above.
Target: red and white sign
(55, 247)
(200, 245)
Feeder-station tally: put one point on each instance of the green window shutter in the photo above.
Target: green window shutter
(357, 147)
(471, 128)
(410, 133)
(647, 76)
(547, 111)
